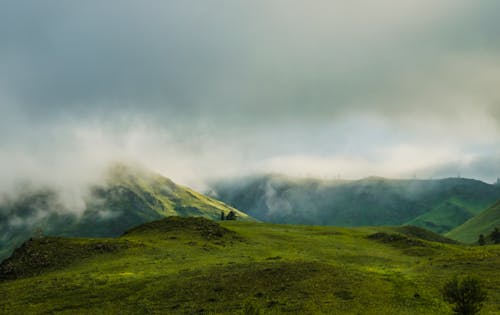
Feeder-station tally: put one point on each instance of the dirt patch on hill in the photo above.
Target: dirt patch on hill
(205, 228)
(417, 232)
(395, 238)
(409, 246)
(37, 256)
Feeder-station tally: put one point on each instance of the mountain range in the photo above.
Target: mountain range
(438, 205)
(132, 195)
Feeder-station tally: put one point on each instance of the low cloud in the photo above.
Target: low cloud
(198, 91)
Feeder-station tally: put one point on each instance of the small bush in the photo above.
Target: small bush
(481, 240)
(495, 236)
(231, 215)
(466, 295)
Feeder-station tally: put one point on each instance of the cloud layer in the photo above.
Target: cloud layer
(198, 89)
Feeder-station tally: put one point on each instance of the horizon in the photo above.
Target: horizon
(340, 178)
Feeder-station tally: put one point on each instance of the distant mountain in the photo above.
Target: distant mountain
(438, 205)
(130, 196)
(483, 223)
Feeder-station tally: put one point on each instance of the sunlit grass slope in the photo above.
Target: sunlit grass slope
(164, 196)
(197, 266)
(483, 223)
(130, 195)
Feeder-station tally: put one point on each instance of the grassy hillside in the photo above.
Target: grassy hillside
(130, 196)
(446, 215)
(438, 205)
(188, 266)
(483, 223)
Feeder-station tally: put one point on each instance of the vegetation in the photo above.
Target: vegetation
(437, 205)
(483, 223)
(495, 236)
(130, 197)
(466, 295)
(481, 240)
(193, 265)
(231, 215)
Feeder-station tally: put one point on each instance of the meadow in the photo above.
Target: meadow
(197, 266)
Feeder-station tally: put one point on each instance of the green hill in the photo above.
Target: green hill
(483, 223)
(130, 196)
(438, 205)
(445, 216)
(198, 266)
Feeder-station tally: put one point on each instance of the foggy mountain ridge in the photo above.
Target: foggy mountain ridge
(438, 205)
(130, 196)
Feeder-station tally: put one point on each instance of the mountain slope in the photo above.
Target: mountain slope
(130, 196)
(438, 205)
(197, 266)
(483, 223)
(445, 216)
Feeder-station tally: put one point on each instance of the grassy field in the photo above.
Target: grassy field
(196, 266)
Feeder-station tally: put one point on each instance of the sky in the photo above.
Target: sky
(200, 90)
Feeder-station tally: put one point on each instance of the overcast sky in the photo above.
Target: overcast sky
(204, 89)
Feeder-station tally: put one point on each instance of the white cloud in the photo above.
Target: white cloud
(199, 90)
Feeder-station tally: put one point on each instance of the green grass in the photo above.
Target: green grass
(177, 266)
(483, 223)
(447, 215)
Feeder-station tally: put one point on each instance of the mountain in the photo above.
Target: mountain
(131, 195)
(483, 223)
(199, 266)
(438, 205)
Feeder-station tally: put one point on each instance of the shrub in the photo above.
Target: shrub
(466, 295)
(495, 236)
(231, 215)
(481, 240)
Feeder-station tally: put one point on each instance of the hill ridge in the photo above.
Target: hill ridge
(483, 223)
(435, 204)
(129, 196)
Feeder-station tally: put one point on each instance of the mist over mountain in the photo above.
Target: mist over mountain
(130, 196)
(438, 205)
(198, 91)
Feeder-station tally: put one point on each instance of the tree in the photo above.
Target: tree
(481, 240)
(231, 215)
(495, 236)
(222, 215)
(466, 295)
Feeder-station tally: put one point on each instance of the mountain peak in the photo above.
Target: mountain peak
(131, 195)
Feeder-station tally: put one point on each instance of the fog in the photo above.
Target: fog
(201, 90)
